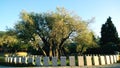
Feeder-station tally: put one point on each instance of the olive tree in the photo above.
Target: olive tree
(52, 28)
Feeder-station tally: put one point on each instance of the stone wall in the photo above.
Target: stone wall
(64, 61)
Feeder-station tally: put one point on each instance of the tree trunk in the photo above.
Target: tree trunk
(43, 51)
(56, 52)
(63, 50)
(46, 48)
(50, 52)
(81, 50)
(60, 53)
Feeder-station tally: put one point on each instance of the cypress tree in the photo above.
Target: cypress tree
(109, 33)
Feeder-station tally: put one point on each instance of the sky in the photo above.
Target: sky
(86, 9)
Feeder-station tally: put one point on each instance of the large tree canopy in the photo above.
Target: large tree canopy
(52, 28)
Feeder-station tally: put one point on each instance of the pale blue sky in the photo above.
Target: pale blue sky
(86, 9)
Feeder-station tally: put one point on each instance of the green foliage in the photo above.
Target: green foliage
(108, 41)
(7, 39)
(10, 42)
(85, 40)
(48, 34)
(71, 48)
(109, 33)
(52, 28)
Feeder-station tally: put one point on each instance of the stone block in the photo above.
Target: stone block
(6, 59)
(102, 60)
(111, 59)
(15, 60)
(46, 61)
(31, 60)
(107, 59)
(96, 60)
(80, 61)
(54, 61)
(38, 61)
(72, 60)
(115, 59)
(18, 59)
(11, 59)
(63, 60)
(89, 60)
(24, 60)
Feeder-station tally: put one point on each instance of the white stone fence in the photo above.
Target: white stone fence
(64, 61)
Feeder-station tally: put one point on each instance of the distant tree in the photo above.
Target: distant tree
(85, 40)
(2, 33)
(109, 33)
(108, 41)
(8, 41)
